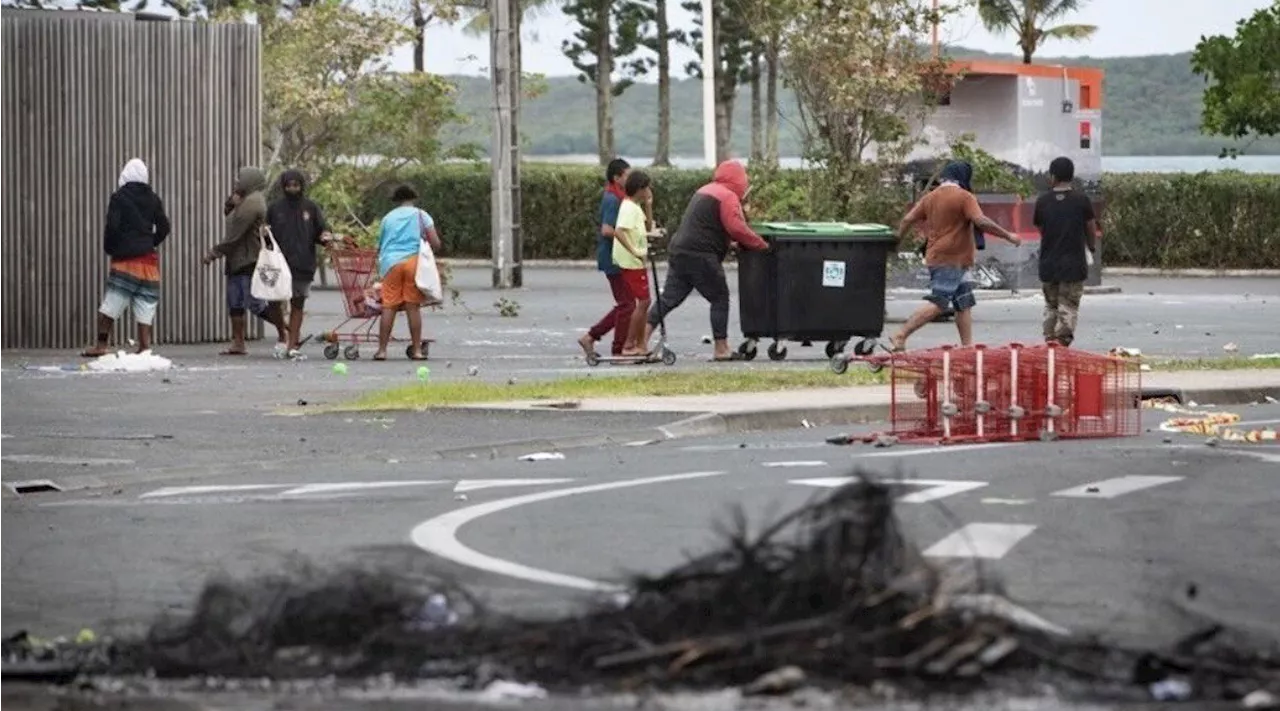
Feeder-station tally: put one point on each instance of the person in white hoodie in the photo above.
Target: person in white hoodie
(136, 225)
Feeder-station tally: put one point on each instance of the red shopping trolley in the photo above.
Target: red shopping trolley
(355, 267)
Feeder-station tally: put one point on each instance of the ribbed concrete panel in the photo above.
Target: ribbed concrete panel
(84, 93)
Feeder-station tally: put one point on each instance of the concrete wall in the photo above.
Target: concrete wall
(83, 93)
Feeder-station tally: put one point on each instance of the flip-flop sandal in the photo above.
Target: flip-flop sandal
(379, 358)
(416, 358)
(731, 357)
(234, 353)
(91, 354)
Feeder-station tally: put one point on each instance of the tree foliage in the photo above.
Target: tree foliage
(1243, 98)
(1027, 19)
(625, 22)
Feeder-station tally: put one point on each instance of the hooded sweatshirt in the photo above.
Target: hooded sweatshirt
(240, 244)
(297, 224)
(136, 223)
(714, 216)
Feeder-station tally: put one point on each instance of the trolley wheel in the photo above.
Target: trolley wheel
(331, 351)
(834, 347)
(776, 353)
(424, 346)
(875, 366)
(668, 356)
(593, 359)
(865, 347)
(351, 352)
(839, 364)
(1047, 436)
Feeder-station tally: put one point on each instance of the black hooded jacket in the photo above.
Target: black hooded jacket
(136, 223)
(297, 224)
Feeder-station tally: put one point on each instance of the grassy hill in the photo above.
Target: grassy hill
(1152, 107)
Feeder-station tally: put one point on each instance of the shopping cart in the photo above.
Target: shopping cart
(355, 269)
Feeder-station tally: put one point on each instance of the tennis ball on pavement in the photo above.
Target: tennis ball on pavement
(340, 368)
(424, 373)
(86, 636)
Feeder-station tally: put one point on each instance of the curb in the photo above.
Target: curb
(1214, 397)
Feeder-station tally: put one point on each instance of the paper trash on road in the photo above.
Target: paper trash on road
(1231, 348)
(121, 362)
(542, 457)
(500, 690)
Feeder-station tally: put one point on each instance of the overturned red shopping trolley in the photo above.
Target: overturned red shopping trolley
(1010, 393)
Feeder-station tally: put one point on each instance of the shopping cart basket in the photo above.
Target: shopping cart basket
(355, 267)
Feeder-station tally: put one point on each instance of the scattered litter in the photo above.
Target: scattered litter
(460, 497)
(1260, 699)
(511, 381)
(500, 690)
(706, 340)
(473, 370)
(303, 403)
(393, 461)
(1121, 352)
(1212, 441)
(1008, 502)
(1178, 326)
(1270, 399)
(640, 443)
(1193, 403)
(121, 362)
(1144, 368)
(778, 681)
(807, 424)
(435, 613)
(1167, 440)
(1265, 356)
(1091, 489)
(542, 457)
(1231, 348)
(1171, 690)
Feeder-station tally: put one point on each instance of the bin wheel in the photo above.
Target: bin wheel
(748, 350)
(351, 352)
(668, 356)
(331, 351)
(776, 353)
(839, 364)
(865, 347)
(593, 359)
(834, 347)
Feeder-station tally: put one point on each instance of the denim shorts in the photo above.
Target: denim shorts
(240, 296)
(948, 289)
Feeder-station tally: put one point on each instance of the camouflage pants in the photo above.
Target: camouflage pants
(1061, 310)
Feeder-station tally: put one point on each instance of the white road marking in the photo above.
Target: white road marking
(937, 488)
(1119, 486)
(1009, 502)
(343, 486)
(439, 535)
(465, 485)
(980, 540)
(944, 449)
(197, 490)
(787, 465)
(69, 461)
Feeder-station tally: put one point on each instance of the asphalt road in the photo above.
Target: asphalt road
(1166, 317)
(541, 537)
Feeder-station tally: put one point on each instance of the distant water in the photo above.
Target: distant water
(1110, 164)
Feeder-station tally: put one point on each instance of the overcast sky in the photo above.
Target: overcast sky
(1125, 27)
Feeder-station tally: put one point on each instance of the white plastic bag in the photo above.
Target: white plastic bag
(427, 277)
(272, 280)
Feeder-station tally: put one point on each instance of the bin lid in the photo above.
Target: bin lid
(838, 231)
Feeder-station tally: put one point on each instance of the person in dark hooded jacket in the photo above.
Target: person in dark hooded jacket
(136, 226)
(298, 226)
(712, 221)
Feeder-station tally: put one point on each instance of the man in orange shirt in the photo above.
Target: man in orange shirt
(950, 213)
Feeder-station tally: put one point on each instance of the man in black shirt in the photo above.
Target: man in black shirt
(1068, 236)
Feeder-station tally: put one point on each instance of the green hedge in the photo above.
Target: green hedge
(1207, 220)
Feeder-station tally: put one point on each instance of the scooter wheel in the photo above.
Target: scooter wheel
(776, 353)
(839, 364)
(668, 356)
(865, 347)
(351, 352)
(593, 359)
(331, 351)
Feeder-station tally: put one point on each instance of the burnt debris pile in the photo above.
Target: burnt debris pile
(833, 588)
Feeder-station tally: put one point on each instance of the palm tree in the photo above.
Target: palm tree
(476, 14)
(1027, 19)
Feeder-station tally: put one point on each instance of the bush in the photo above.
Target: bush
(1208, 220)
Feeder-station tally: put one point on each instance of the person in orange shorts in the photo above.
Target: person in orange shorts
(399, 239)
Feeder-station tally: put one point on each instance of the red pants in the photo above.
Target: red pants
(619, 317)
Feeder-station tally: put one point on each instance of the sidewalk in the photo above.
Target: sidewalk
(746, 411)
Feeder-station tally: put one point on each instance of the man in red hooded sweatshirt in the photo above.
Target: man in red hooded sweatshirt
(695, 258)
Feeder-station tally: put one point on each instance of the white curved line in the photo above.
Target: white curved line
(439, 535)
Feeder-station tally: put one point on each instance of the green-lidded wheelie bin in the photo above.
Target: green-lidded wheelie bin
(822, 281)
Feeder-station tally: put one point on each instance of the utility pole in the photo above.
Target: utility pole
(503, 170)
(708, 83)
